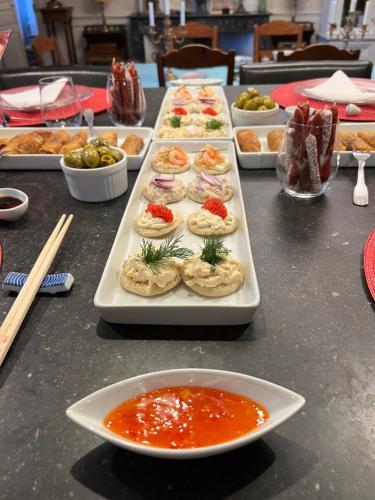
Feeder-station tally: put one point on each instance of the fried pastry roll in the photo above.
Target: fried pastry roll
(133, 145)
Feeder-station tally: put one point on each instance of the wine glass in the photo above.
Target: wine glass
(307, 162)
(59, 104)
(126, 103)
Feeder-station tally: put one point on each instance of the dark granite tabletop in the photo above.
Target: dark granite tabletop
(313, 333)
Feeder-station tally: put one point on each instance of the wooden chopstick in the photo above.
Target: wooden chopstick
(33, 273)
(21, 305)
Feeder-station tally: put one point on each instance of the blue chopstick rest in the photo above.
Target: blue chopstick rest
(52, 283)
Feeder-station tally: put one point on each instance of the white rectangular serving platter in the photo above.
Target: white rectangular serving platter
(194, 90)
(52, 162)
(268, 159)
(180, 306)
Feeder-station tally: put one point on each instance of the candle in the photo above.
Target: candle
(151, 15)
(182, 13)
(353, 3)
(167, 9)
(332, 12)
(366, 15)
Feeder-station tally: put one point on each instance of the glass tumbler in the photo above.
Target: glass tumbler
(307, 162)
(59, 104)
(126, 103)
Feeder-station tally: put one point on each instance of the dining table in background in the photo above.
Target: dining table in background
(313, 333)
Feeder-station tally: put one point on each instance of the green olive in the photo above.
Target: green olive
(240, 101)
(262, 108)
(270, 103)
(252, 92)
(107, 160)
(91, 157)
(74, 160)
(250, 105)
(116, 155)
(103, 150)
(99, 141)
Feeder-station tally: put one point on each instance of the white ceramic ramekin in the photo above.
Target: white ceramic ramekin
(12, 214)
(97, 184)
(243, 117)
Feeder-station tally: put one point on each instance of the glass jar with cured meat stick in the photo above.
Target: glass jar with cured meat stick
(126, 102)
(307, 163)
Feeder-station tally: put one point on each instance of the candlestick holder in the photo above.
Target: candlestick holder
(157, 9)
(165, 38)
(241, 8)
(349, 31)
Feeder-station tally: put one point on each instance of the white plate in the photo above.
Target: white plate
(52, 162)
(83, 93)
(196, 81)
(90, 411)
(228, 132)
(268, 159)
(180, 306)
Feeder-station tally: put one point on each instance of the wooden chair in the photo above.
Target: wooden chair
(195, 56)
(319, 52)
(275, 29)
(196, 30)
(42, 45)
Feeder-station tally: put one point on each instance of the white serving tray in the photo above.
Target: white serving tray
(194, 90)
(268, 159)
(52, 162)
(180, 306)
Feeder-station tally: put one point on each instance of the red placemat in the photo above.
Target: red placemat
(287, 95)
(369, 263)
(97, 101)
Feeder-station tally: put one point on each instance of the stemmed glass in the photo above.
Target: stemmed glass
(59, 104)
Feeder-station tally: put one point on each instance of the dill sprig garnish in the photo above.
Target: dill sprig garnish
(154, 257)
(213, 251)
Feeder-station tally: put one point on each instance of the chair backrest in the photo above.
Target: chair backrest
(195, 56)
(275, 29)
(319, 52)
(196, 30)
(42, 45)
(257, 74)
(92, 76)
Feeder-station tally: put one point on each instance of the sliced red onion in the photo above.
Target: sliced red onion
(207, 100)
(211, 179)
(164, 179)
(167, 186)
(199, 184)
(181, 101)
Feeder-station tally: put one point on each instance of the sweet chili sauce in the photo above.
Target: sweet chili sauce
(185, 417)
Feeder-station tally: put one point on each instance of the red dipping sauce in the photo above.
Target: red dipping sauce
(185, 417)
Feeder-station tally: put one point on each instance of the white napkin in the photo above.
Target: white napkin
(31, 98)
(340, 88)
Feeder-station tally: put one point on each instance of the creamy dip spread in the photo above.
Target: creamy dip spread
(140, 273)
(204, 218)
(202, 274)
(146, 220)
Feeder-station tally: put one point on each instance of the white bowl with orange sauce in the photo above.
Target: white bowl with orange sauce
(91, 411)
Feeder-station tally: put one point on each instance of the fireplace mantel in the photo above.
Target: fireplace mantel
(231, 23)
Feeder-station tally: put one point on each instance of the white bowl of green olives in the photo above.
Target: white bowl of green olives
(97, 172)
(251, 108)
